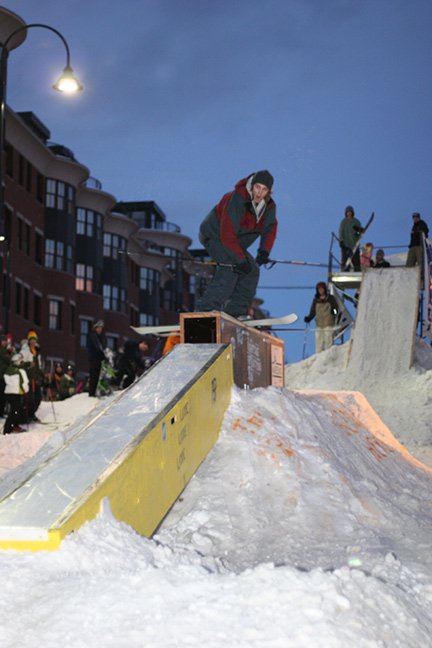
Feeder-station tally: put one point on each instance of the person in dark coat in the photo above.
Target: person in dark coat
(130, 362)
(350, 231)
(238, 220)
(96, 355)
(32, 363)
(380, 261)
(67, 386)
(324, 309)
(5, 358)
(418, 231)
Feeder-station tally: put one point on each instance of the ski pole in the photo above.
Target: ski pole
(317, 264)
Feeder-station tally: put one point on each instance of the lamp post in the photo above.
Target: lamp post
(67, 83)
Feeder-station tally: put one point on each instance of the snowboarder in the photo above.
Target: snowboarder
(324, 308)
(415, 251)
(241, 216)
(350, 231)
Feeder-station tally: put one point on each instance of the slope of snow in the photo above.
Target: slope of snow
(403, 401)
(292, 534)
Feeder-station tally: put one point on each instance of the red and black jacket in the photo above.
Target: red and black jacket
(233, 221)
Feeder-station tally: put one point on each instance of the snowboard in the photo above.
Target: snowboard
(173, 329)
(349, 262)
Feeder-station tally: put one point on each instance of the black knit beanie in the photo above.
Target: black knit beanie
(263, 177)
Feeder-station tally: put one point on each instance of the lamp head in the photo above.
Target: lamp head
(68, 83)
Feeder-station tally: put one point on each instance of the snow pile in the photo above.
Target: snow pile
(395, 398)
(296, 532)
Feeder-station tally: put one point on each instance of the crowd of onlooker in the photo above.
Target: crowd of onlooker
(26, 379)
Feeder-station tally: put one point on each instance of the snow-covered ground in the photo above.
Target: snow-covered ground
(308, 524)
(293, 533)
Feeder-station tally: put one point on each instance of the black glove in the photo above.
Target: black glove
(243, 268)
(262, 257)
(307, 319)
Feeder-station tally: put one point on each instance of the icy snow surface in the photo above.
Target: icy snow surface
(301, 529)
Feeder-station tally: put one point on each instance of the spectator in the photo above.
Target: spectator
(366, 260)
(54, 382)
(32, 363)
(171, 342)
(380, 261)
(5, 359)
(415, 248)
(96, 355)
(324, 308)
(17, 387)
(130, 362)
(67, 386)
(350, 231)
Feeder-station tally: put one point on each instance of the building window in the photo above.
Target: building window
(9, 160)
(27, 235)
(20, 228)
(21, 168)
(29, 177)
(84, 332)
(60, 195)
(54, 254)
(169, 299)
(148, 320)
(69, 259)
(54, 314)
(38, 248)
(84, 277)
(112, 342)
(37, 310)
(26, 302)
(112, 244)
(18, 297)
(23, 236)
(149, 280)
(113, 298)
(72, 318)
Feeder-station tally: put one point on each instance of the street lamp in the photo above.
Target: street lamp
(67, 83)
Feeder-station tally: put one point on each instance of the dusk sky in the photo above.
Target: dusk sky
(184, 97)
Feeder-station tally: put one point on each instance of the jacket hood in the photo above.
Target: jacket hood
(244, 188)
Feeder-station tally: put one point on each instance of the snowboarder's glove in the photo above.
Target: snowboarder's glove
(307, 319)
(262, 257)
(243, 268)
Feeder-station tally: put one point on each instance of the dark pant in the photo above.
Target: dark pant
(125, 372)
(94, 373)
(346, 254)
(34, 398)
(17, 413)
(228, 291)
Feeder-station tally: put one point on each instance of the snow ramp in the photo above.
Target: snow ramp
(139, 453)
(386, 321)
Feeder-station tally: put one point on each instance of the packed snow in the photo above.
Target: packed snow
(295, 531)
